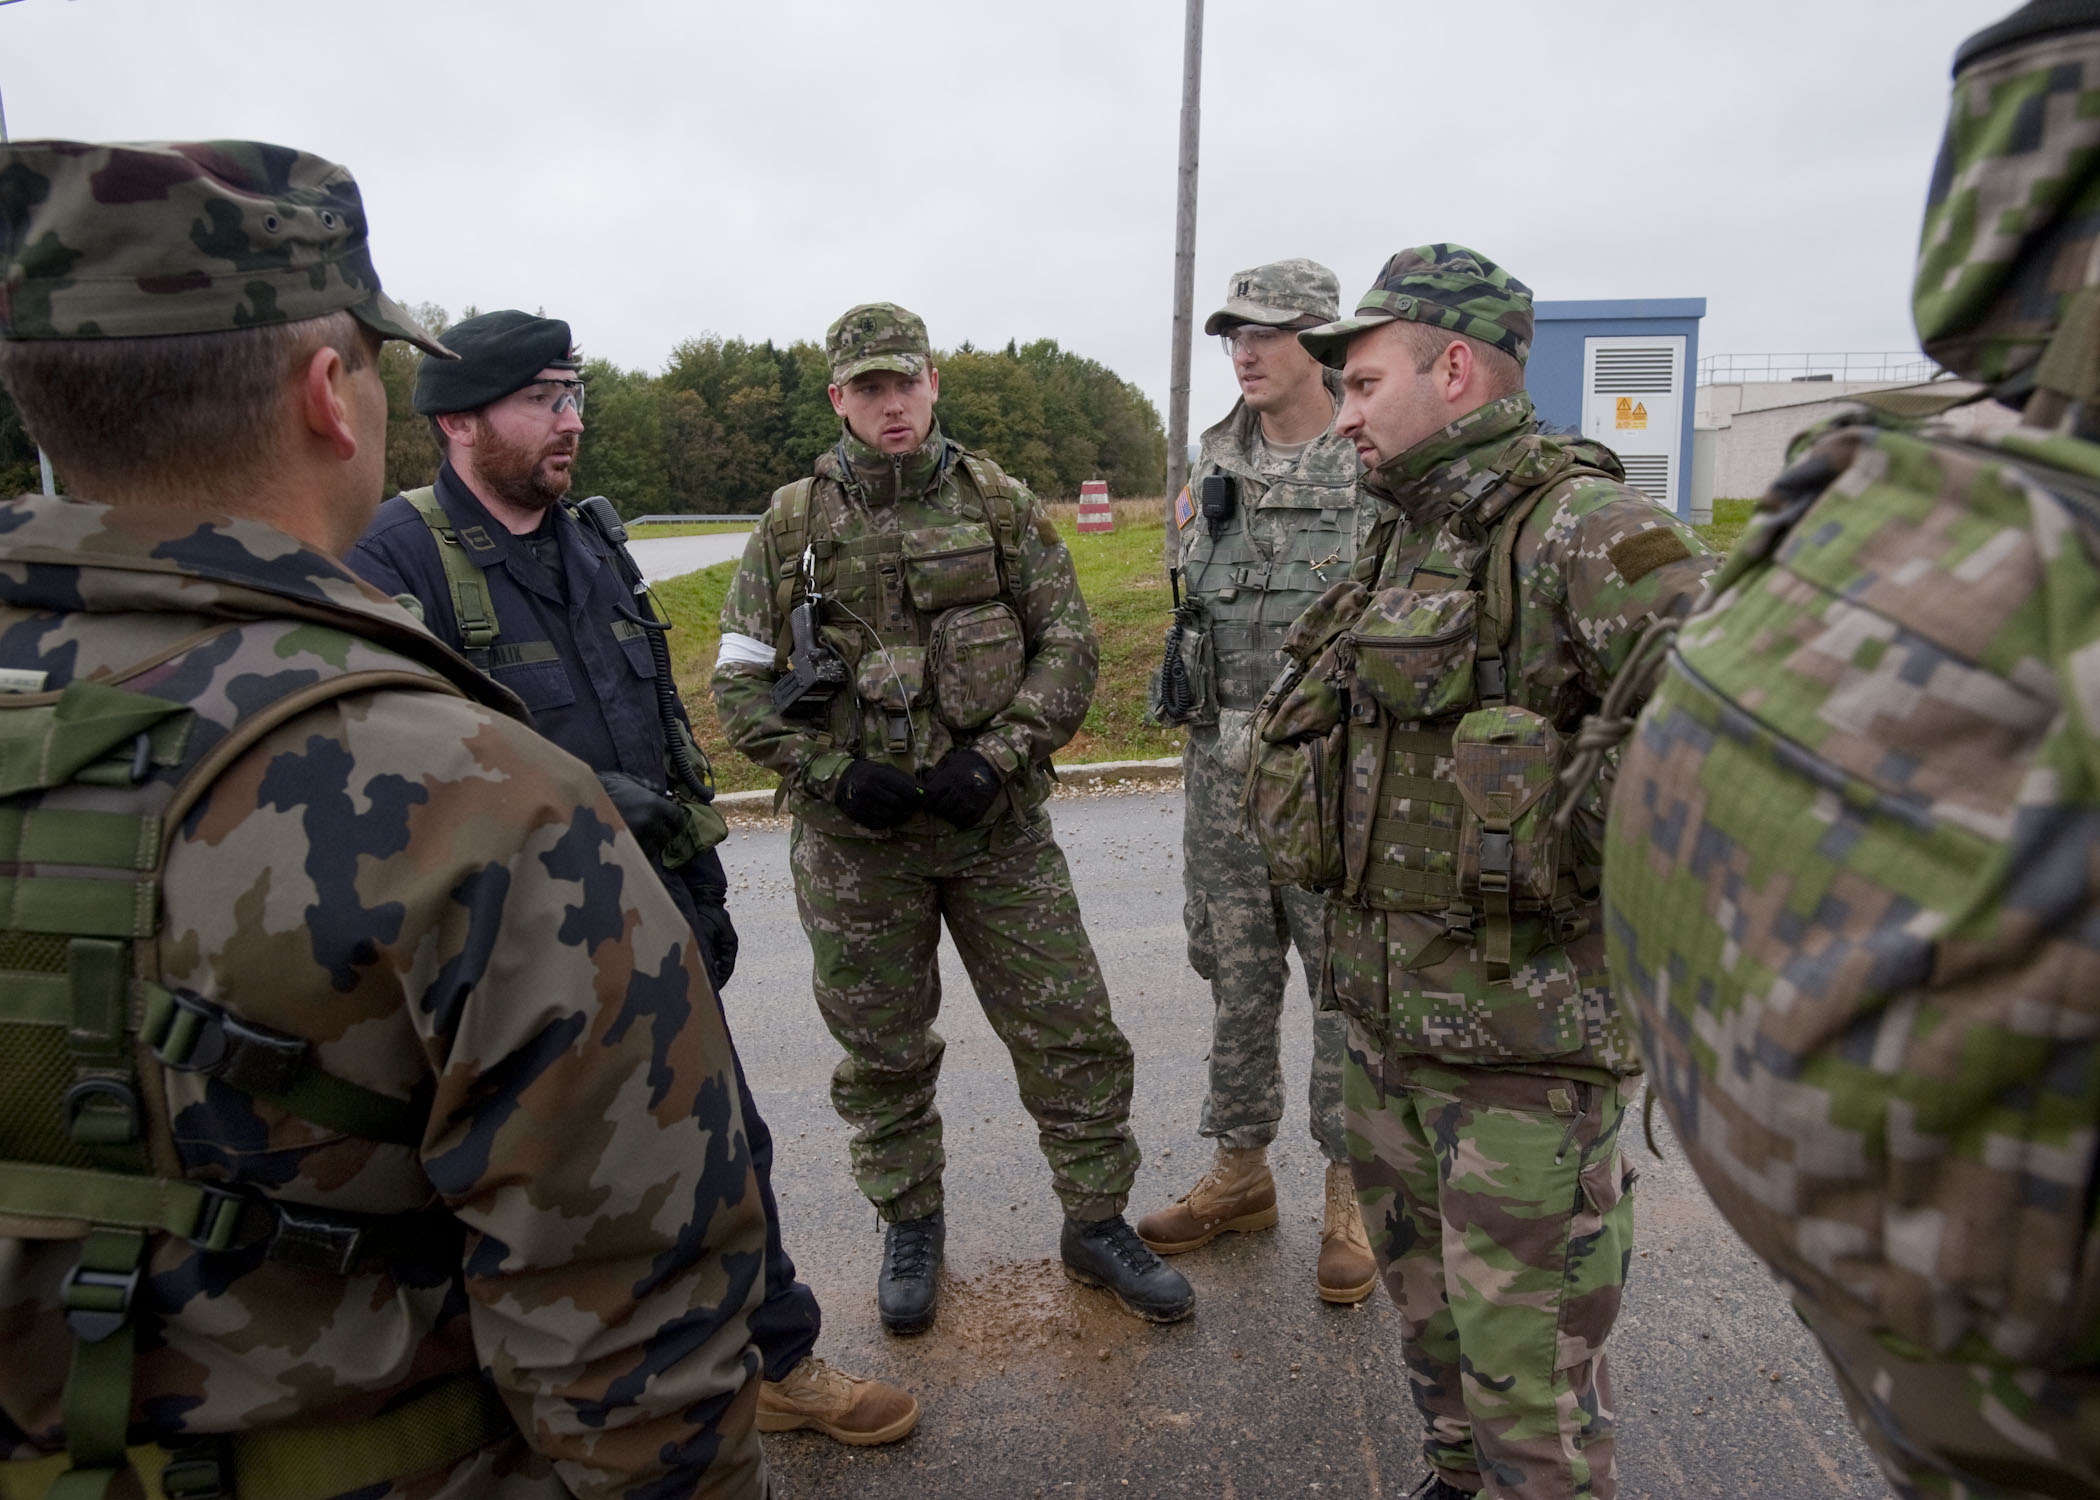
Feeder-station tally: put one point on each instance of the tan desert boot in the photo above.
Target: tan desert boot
(1237, 1193)
(842, 1406)
(1347, 1271)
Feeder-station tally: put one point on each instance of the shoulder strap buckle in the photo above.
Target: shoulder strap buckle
(205, 1038)
(200, 1471)
(97, 1302)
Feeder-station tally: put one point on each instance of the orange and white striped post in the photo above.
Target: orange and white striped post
(1095, 513)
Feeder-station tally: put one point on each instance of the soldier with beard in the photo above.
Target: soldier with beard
(533, 595)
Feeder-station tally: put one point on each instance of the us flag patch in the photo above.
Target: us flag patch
(1184, 509)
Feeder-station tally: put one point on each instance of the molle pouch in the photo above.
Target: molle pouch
(891, 683)
(947, 566)
(1183, 689)
(1414, 652)
(1299, 706)
(1293, 798)
(977, 661)
(1324, 620)
(1506, 761)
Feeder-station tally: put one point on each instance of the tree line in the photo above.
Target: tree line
(726, 422)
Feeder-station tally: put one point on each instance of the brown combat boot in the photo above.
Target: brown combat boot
(1237, 1193)
(1347, 1271)
(860, 1412)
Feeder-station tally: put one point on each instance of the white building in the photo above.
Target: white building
(1751, 407)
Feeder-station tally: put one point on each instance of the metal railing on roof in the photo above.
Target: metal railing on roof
(1891, 366)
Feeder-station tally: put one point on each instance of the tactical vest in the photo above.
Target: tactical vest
(1250, 599)
(924, 616)
(472, 608)
(95, 781)
(1394, 771)
(1850, 889)
(474, 612)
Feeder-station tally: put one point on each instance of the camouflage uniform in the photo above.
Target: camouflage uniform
(1294, 530)
(899, 544)
(1484, 1081)
(442, 907)
(1852, 857)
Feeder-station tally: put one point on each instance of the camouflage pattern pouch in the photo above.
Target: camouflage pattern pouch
(1850, 882)
(1328, 617)
(890, 689)
(947, 566)
(1294, 799)
(1414, 651)
(1191, 697)
(976, 662)
(1507, 761)
(1297, 750)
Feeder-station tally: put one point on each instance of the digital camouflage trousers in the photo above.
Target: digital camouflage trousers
(873, 910)
(1240, 931)
(1944, 1430)
(1498, 1206)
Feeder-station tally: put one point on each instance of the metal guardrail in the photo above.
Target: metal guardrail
(1892, 366)
(684, 520)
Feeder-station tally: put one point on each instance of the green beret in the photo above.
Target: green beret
(157, 238)
(499, 352)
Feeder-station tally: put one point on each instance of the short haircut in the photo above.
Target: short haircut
(1505, 377)
(181, 412)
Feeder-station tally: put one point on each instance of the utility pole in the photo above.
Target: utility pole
(43, 463)
(1184, 268)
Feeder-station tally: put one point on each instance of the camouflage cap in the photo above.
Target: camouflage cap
(139, 240)
(1445, 286)
(876, 336)
(1281, 292)
(2013, 211)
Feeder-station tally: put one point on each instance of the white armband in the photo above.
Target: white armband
(743, 650)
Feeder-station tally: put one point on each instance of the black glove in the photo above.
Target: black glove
(654, 818)
(717, 936)
(962, 788)
(875, 795)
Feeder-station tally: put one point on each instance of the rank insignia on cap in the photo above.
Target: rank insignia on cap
(1184, 509)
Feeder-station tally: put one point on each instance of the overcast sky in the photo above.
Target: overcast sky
(654, 169)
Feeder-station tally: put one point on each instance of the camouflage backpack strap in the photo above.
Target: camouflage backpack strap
(472, 608)
(1498, 598)
(788, 520)
(999, 496)
(84, 1146)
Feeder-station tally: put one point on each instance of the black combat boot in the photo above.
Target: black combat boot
(911, 1265)
(1437, 1487)
(1108, 1253)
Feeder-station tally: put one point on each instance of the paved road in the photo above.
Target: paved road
(668, 556)
(1034, 1387)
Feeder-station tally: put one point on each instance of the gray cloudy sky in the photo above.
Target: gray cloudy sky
(653, 169)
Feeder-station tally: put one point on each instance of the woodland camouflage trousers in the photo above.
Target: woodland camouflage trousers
(1497, 1204)
(873, 910)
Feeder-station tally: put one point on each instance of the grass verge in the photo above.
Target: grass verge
(1126, 592)
(655, 529)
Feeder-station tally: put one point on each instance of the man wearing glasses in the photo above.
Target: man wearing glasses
(536, 596)
(1270, 520)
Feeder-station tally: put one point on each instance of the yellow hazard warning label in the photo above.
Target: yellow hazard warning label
(1632, 415)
